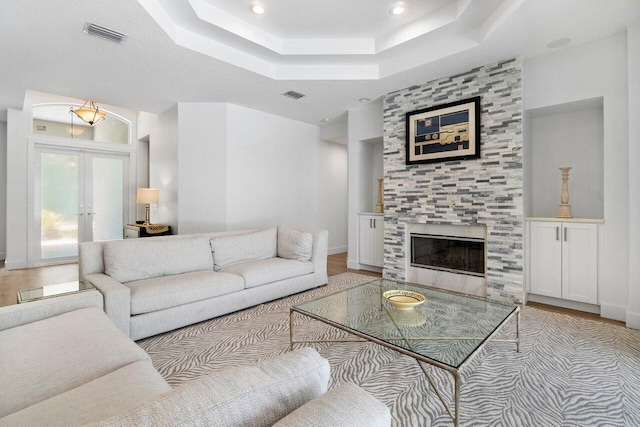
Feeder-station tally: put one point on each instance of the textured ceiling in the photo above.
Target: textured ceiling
(43, 48)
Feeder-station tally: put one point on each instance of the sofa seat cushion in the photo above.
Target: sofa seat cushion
(258, 273)
(158, 293)
(99, 399)
(137, 259)
(42, 359)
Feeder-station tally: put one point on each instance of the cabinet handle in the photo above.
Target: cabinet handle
(374, 223)
(565, 234)
(370, 223)
(557, 233)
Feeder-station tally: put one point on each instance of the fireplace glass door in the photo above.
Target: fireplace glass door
(456, 254)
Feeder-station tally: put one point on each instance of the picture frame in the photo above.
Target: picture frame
(444, 132)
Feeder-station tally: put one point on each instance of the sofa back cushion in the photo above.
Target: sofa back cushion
(137, 259)
(232, 250)
(294, 244)
(256, 396)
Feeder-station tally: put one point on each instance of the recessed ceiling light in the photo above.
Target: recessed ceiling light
(364, 99)
(397, 9)
(326, 120)
(257, 8)
(558, 43)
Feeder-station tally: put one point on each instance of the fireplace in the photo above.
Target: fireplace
(463, 255)
(447, 256)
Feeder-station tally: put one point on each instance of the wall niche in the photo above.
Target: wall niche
(570, 134)
(371, 170)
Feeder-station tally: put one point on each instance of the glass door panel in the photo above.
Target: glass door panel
(80, 197)
(105, 212)
(59, 213)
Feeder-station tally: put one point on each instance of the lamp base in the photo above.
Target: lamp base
(147, 216)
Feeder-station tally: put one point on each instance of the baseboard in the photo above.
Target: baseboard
(633, 320)
(338, 250)
(572, 305)
(371, 268)
(353, 265)
(15, 265)
(614, 312)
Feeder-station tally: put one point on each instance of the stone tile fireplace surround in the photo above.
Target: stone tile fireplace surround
(485, 192)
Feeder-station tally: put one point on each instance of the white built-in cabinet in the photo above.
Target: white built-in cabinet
(371, 239)
(563, 260)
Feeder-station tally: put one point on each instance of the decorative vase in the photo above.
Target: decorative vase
(379, 205)
(564, 207)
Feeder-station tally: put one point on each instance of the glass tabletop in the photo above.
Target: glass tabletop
(447, 327)
(48, 291)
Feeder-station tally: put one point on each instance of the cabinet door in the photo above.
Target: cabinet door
(378, 241)
(370, 240)
(546, 259)
(580, 262)
(366, 243)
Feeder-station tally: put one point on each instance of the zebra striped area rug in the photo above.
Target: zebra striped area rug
(569, 372)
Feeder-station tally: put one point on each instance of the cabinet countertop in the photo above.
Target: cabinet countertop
(555, 219)
(370, 214)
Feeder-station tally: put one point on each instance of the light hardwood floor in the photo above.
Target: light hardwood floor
(12, 281)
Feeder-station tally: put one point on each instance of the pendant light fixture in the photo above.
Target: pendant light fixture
(89, 112)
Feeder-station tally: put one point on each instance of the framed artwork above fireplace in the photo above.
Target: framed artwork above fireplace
(444, 132)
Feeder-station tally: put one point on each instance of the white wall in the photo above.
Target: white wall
(202, 167)
(589, 71)
(232, 167)
(573, 139)
(333, 197)
(163, 168)
(17, 242)
(3, 189)
(335, 132)
(142, 172)
(278, 172)
(364, 123)
(633, 309)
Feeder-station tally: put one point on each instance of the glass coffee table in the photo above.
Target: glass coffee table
(446, 331)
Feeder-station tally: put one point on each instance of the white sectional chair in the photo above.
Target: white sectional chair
(63, 363)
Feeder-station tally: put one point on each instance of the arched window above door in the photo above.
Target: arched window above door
(58, 120)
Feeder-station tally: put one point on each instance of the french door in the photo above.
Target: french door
(79, 196)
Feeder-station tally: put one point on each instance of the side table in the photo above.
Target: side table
(134, 231)
(50, 291)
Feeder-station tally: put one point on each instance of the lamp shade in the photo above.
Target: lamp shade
(89, 113)
(147, 195)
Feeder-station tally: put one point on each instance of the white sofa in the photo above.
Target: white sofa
(154, 285)
(64, 363)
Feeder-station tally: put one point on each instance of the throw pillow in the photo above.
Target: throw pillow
(294, 244)
(232, 250)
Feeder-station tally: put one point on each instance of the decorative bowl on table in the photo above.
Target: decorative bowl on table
(404, 300)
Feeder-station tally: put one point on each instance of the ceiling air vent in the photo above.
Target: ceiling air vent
(105, 33)
(293, 94)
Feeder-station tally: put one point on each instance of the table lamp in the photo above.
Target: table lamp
(147, 196)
